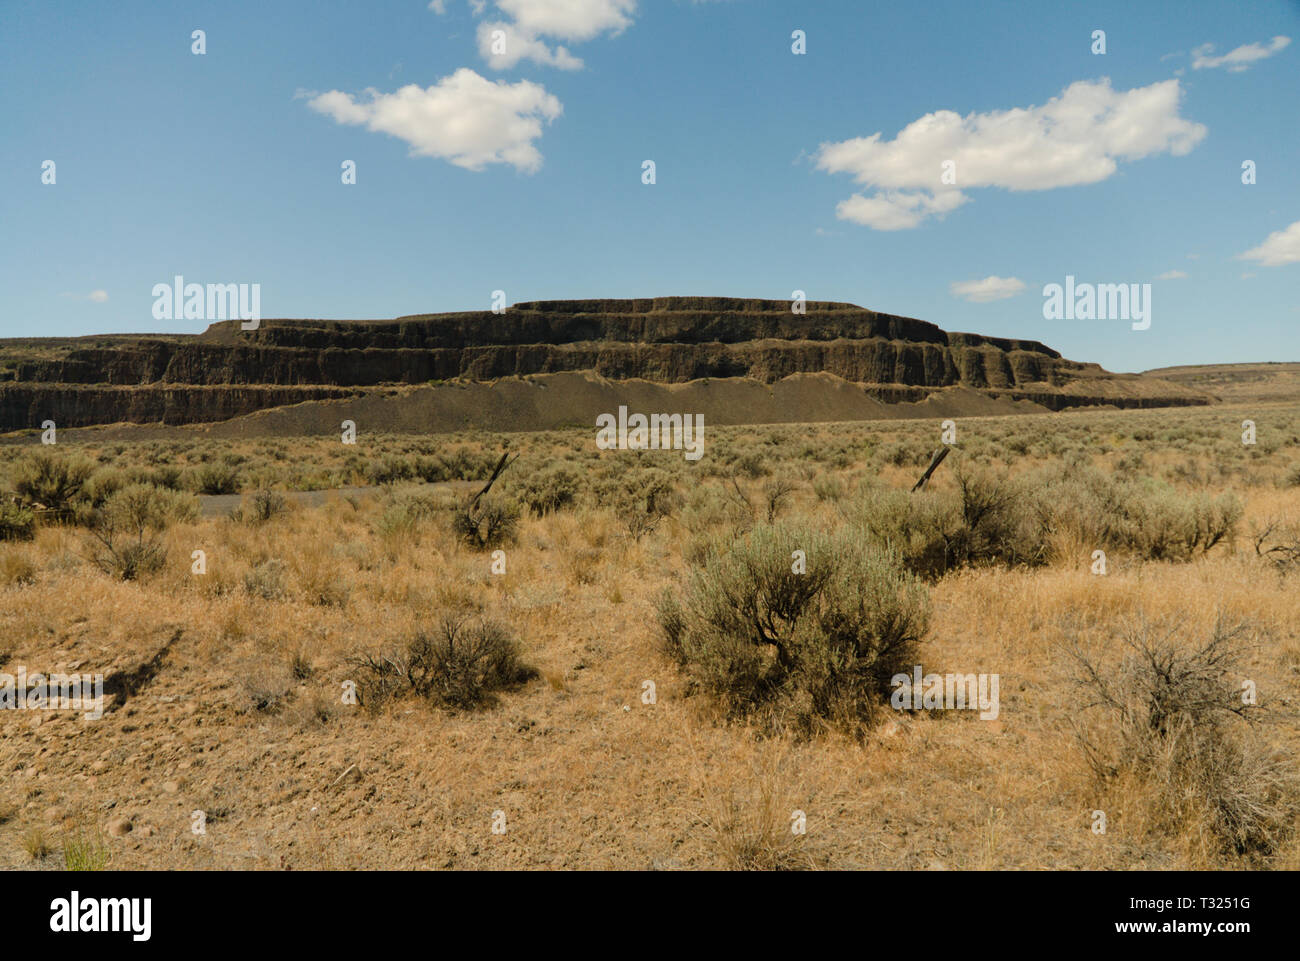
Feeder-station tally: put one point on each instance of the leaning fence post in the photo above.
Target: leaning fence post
(935, 460)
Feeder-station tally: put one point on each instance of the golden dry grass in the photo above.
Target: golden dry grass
(587, 774)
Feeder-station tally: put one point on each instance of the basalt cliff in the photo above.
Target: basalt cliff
(227, 372)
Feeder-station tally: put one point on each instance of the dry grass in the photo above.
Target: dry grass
(36, 843)
(246, 718)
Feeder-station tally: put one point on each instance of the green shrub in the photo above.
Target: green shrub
(1141, 515)
(986, 520)
(493, 523)
(828, 489)
(461, 463)
(128, 529)
(431, 470)
(390, 469)
(53, 481)
(644, 499)
(103, 484)
(550, 490)
(17, 523)
(266, 580)
(214, 478)
(797, 650)
(164, 475)
(751, 464)
(404, 515)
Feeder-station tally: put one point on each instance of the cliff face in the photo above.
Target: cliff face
(868, 361)
(226, 371)
(72, 405)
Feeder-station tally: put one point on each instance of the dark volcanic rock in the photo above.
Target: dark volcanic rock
(226, 371)
(73, 405)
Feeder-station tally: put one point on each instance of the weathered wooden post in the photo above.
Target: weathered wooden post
(935, 460)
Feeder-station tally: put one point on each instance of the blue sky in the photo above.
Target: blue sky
(523, 172)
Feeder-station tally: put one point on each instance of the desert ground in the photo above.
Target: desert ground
(503, 719)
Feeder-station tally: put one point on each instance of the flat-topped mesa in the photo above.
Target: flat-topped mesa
(663, 320)
(662, 339)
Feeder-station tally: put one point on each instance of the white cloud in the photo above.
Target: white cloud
(530, 21)
(514, 46)
(1280, 247)
(1077, 138)
(464, 118)
(98, 296)
(1172, 275)
(440, 6)
(897, 209)
(987, 290)
(1239, 59)
(570, 19)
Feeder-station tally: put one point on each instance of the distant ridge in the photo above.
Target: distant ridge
(228, 372)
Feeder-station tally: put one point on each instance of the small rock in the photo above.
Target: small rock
(119, 827)
(171, 787)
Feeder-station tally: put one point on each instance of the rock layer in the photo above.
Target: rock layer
(227, 371)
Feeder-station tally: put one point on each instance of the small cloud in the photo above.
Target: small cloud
(516, 46)
(1172, 275)
(95, 296)
(1193, 256)
(987, 290)
(438, 6)
(1239, 59)
(1280, 247)
(897, 209)
(574, 21)
(1248, 276)
(464, 118)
